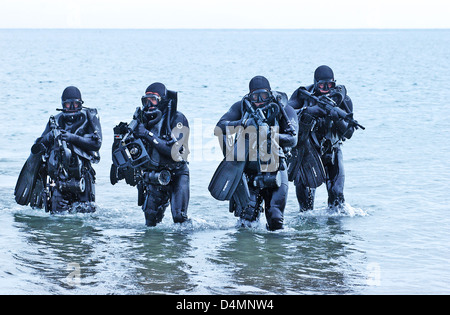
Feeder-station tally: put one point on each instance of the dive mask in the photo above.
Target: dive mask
(150, 100)
(260, 96)
(72, 105)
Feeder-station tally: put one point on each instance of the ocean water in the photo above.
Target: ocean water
(392, 237)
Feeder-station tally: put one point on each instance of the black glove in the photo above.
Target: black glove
(316, 111)
(334, 114)
(68, 137)
(141, 131)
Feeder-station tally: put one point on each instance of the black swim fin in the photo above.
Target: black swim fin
(243, 203)
(312, 173)
(229, 172)
(27, 179)
(225, 179)
(241, 197)
(294, 162)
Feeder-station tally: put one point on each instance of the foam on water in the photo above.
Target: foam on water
(345, 210)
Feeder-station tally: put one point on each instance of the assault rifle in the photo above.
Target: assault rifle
(328, 104)
(64, 153)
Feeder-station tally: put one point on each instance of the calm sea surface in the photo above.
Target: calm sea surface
(392, 237)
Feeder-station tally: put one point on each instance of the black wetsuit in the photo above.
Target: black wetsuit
(84, 139)
(274, 197)
(327, 137)
(166, 155)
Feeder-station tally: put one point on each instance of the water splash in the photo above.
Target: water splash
(345, 210)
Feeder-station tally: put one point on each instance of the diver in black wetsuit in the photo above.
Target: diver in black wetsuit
(327, 134)
(60, 162)
(261, 108)
(161, 173)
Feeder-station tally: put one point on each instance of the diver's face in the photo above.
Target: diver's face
(260, 97)
(325, 87)
(153, 100)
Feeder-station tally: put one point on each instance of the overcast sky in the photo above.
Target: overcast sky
(224, 14)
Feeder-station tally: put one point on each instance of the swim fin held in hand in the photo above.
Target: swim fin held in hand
(226, 178)
(28, 177)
